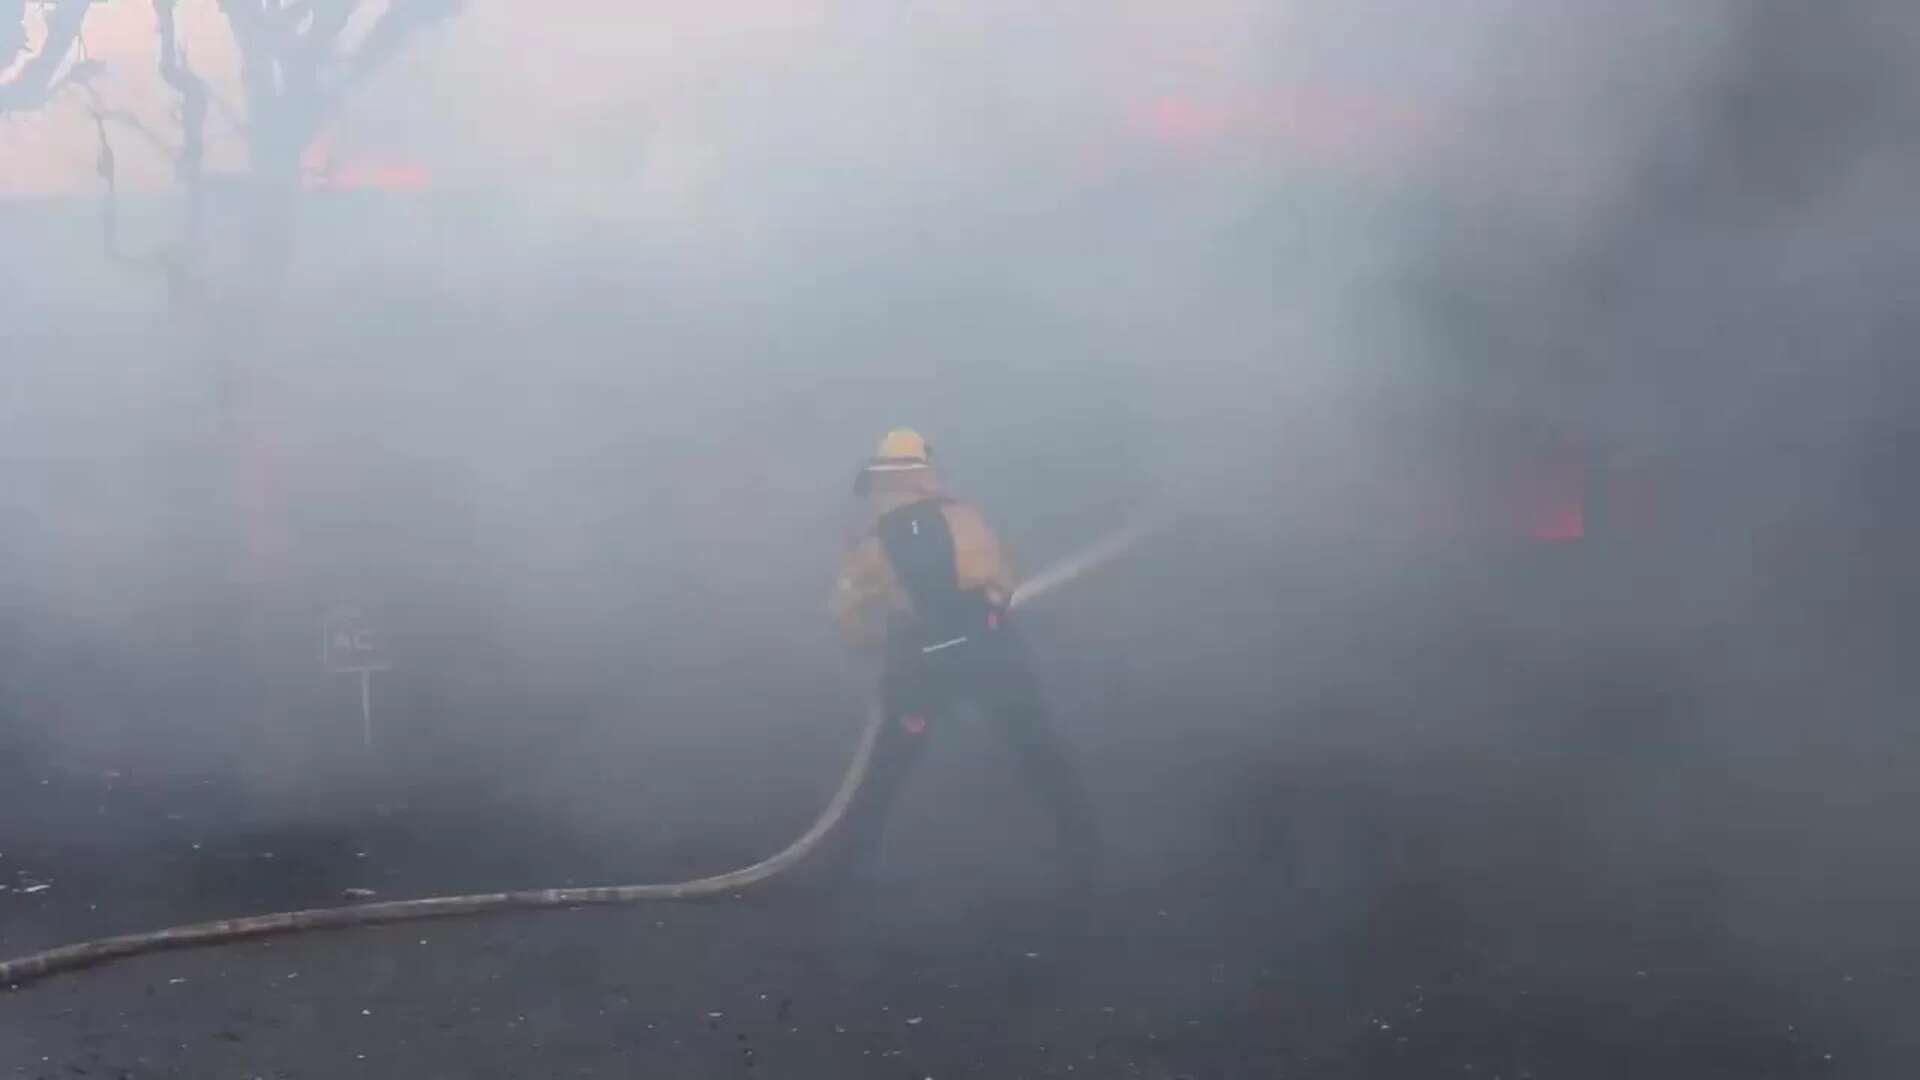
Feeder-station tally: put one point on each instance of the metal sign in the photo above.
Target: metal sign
(349, 643)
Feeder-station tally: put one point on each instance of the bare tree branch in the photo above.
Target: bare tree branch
(13, 31)
(33, 83)
(330, 18)
(110, 198)
(294, 75)
(139, 127)
(398, 25)
(282, 110)
(247, 21)
(189, 163)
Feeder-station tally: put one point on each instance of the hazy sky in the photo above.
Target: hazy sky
(610, 96)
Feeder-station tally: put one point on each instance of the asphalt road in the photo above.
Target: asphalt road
(1307, 920)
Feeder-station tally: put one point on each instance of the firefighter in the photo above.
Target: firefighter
(925, 586)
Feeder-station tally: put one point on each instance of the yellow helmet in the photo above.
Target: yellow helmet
(901, 447)
(900, 450)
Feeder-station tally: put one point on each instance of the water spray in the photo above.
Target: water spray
(1070, 569)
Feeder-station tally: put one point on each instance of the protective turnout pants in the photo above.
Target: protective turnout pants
(920, 690)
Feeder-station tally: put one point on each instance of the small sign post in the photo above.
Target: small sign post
(349, 645)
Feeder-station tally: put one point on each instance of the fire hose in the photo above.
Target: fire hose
(223, 931)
